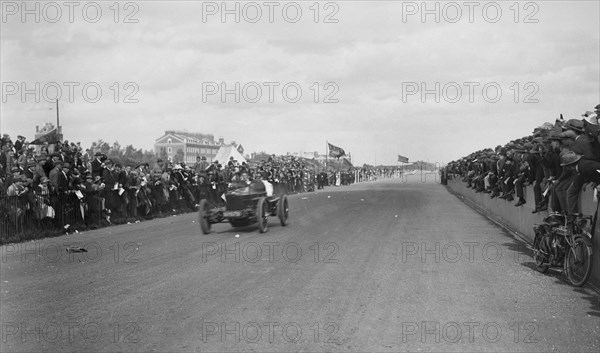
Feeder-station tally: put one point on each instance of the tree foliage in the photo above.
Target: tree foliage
(128, 156)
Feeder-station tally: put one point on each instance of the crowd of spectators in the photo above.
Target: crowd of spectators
(62, 187)
(559, 159)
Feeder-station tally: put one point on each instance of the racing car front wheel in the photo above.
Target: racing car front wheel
(282, 210)
(261, 215)
(203, 213)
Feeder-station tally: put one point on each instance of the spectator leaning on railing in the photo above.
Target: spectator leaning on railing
(558, 160)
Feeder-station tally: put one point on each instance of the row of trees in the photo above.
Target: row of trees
(126, 156)
(131, 155)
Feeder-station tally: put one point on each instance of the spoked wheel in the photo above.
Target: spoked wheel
(261, 215)
(203, 214)
(283, 210)
(578, 261)
(541, 260)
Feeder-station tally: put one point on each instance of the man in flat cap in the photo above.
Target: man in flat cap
(19, 143)
(97, 164)
(586, 147)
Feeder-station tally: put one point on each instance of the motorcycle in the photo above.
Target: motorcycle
(565, 242)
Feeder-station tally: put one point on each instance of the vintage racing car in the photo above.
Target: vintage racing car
(245, 205)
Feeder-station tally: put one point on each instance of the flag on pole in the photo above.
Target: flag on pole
(402, 159)
(50, 137)
(335, 151)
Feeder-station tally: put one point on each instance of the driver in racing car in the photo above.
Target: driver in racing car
(239, 180)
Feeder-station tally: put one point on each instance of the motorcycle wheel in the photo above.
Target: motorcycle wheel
(541, 260)
(578, 261)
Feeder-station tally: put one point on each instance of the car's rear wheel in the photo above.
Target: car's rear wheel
(283, 210)
(261, 215)
(203, 214)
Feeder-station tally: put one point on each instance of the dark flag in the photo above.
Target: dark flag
(402, 159)
(335, 151)
(51, 137)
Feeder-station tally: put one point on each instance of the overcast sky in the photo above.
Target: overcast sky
(369, 60)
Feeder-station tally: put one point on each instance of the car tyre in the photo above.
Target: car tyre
(203, 214)
(261, 215)
(283, 210)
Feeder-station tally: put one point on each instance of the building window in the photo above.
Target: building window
(169, 141)
(170, 150)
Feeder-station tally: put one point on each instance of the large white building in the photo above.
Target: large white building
(189, 143)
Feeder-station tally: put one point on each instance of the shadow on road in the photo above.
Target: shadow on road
(585, 293)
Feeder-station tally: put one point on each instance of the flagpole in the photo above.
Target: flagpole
(326, 155)
(57, 119)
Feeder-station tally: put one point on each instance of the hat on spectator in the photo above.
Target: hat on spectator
(31, 165)
(97, 154)
(569, 158)
(15, 170)
(591, 118)
(536, 149)
(97, 179)
(66, 165)
(44, 180)
(587, 113)
(552, 137)
(177, 167)
(569, 134)
(574, 124)
(203, 158)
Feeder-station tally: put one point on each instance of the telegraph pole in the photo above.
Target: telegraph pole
(57, 117)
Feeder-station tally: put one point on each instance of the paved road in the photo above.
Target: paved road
(380, 266)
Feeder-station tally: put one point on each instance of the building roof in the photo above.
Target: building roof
(187, 137)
